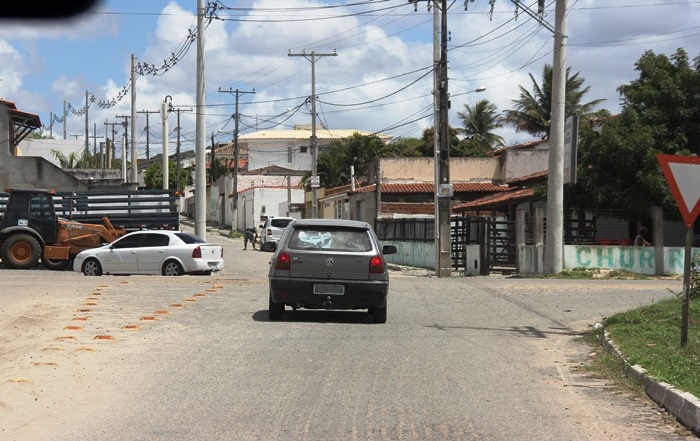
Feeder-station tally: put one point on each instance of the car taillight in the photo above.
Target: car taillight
(197, 253)
(376, 265)
(283, 261)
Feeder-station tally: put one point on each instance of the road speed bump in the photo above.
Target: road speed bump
(73, 328)
(103, 337)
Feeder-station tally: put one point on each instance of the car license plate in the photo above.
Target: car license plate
(333, 290)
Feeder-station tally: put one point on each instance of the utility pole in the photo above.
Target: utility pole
(51, 125)
(177, 149)
(554, 255)
(441, 142)
(125, 138)
(165, 108)
(109, 147)
(314, 142)
(94, 139)
(200, 189)
(134, 150)
(445, 269)
(236, 116)
(148, 134)
(87, 136)
(65, 115)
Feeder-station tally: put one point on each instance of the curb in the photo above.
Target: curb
(682, 405)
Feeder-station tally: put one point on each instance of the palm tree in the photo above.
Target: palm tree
(73, 161)
(533, 112)
(63, 160)
(479, 123)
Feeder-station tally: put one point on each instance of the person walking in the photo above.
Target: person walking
(250, 234)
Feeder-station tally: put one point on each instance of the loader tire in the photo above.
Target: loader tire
(55, 264)
(20, 251)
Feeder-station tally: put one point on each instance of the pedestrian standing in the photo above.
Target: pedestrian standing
(250, 234)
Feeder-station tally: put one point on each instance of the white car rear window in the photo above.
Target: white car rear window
(351, 240)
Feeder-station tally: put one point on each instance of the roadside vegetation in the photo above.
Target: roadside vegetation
(650, 336)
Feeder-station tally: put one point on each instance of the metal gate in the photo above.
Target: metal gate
(467, 231)
(501, 246)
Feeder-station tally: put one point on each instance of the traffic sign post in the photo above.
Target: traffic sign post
(683, 176)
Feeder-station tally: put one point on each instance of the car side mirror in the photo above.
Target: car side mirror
(389, 249)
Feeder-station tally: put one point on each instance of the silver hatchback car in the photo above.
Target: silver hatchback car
(329, 264)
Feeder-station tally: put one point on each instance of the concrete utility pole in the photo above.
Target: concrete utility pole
(87, 136)
(148, 134)
(65, 117)
(314, 142)
(554, 254)
(436, 140)
(177, 148)
(165, 108)
(109, 147)
(441, 142)
(445, 196)
(134, 150)
(200, 181)
(236, 93)
(125, 140)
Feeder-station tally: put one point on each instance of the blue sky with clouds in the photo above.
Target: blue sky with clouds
(380, 80)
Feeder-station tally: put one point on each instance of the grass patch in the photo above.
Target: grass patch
(597, 273)
(650, 337)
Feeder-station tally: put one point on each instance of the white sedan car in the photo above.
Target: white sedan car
(170, 253)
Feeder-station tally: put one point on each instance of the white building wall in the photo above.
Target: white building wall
(43, 147)
(264, 153)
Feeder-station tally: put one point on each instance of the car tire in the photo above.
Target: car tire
(21, 251)
(275, 311)
(378, 313)
(172, 268)
(92, 267)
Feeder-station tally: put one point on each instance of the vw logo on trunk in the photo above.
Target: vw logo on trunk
(329, 262)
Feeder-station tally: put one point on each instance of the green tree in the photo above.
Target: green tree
(405, 147)
(153, 177)
(479, 123)
(532, 112)
(666, 96)
(333, 164)
(455, 143)
(617, 165)
(218, 168)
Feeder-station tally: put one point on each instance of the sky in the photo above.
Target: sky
(379, 81)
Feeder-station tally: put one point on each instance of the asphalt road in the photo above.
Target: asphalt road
(195, 358)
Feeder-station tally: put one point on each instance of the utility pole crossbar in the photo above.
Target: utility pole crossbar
(314, 142)
(237, 93)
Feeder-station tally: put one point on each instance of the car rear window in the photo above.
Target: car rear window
(189, 238)
(333, 239)
(280, 223)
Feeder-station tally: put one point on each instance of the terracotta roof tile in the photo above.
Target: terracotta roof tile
(541, 175)
(429, 187)
(497, 200)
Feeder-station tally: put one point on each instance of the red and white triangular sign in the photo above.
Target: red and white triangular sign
(683, 176)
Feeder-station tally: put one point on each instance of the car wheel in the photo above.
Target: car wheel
(378, 313)
(92, 267)
(172, 268)
(21, 251)
(275, 310)
(55, 264)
